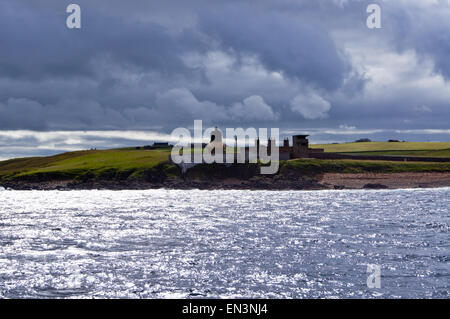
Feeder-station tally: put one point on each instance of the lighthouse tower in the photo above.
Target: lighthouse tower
(216, 137)
(216, 145)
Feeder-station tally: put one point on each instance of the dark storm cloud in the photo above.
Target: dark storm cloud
(299, 48)
(426, 29)
(36, 43)
(22, 113)
(160, 64)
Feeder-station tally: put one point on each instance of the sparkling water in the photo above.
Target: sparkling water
(201, 244)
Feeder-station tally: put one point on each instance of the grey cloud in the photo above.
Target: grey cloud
(253, 108)
(283, 43)
(40, 46)
(425, 28)
(311, 105)
(21, 112)
(181, 103)
(158, 65)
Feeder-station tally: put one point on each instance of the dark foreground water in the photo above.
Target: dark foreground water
(167, 243)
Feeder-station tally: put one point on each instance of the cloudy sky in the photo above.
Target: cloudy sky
(138, 69)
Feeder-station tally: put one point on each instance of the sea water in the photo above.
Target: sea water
(201, 244)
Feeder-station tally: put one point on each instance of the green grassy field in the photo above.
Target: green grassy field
(130, 163)
(311, 166)
(432, 149)
(429, 153)
(73, 164)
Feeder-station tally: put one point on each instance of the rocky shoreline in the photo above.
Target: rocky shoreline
(254, 183)
(277, 182)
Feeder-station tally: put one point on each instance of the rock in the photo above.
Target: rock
(375, 186)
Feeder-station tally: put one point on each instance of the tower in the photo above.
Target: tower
(216, 142)
(216, 136)
(300, 145)
(257, 145)
(300, 141)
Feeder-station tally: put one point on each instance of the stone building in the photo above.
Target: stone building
(299, 149)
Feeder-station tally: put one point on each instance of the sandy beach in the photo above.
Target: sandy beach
(391, 180)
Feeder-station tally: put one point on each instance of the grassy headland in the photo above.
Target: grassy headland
(131, 165)
(118, 164)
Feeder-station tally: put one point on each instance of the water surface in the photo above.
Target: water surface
(178, 244)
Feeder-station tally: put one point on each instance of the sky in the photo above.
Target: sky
(138, 69)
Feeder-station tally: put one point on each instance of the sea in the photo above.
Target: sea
(225, 244)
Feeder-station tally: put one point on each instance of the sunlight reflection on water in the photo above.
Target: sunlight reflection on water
(175, 243)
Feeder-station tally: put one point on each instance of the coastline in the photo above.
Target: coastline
(336, 181)
(390, 180)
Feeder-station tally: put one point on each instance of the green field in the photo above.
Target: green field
(312, 167)
(152, 165)
(74, 164)
(432, 149)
